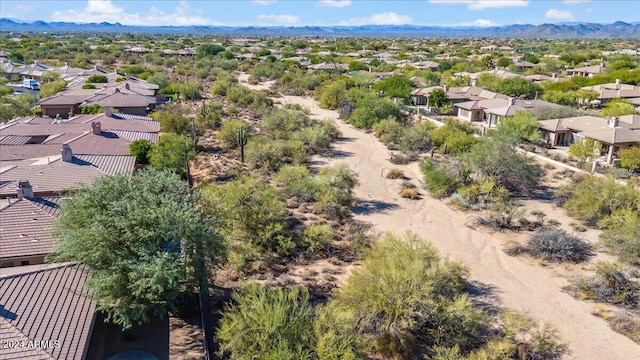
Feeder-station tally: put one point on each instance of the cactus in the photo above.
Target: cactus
(242, 141)
(203, 110)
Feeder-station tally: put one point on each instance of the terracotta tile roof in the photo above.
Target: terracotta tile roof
(121, 100)
(62, 100)
(137, 135)
(110, 164)
(14, 140)
(26, 227)
(21, 152)
(53, 178)
(48, 304)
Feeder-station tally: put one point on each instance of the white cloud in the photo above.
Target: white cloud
(278, 19)
(482, 22)
(388, 18)
(484, 4)
(334, 3)
(25, 8)
(265, 2)
(554, 14)
(106, 11)
(573, 2)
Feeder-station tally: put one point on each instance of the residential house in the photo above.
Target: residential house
(613, 133)
(329, 66)
(588, 71)
(491, 111)
(61, 105)
(617, 90)
(455, 94)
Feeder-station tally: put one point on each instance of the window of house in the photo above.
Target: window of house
(23, 263)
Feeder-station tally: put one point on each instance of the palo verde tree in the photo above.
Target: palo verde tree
(141, 238)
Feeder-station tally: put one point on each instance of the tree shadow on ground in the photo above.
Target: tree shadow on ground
(484, 296)
(366, 207)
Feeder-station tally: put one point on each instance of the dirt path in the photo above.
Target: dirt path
(508, 281)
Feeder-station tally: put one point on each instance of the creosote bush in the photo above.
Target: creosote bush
(611, 284)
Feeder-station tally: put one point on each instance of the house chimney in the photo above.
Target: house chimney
(24, 189)
(108, 111)
(96, 128)
(617, 81)
(66, 64)
(474, 82)
(614, 122)
(512, 101)
(95, 67)
(67, 154)
(126, 86)
(446, 88)
(127, 76)
(553, 75)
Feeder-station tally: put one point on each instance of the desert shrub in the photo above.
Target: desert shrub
(334, 195)
(222, 84)
(172, 153)
(395, 174)
(88, 86)
(439, 136)
(416, 137)
(594, 199)
(279, 124)
(316, 237)
(230, 129)
(627, 325)
(270, 155)
(557, 246)
(621, 235)
(480, 194)
(297, 181)
(611, 284)
(371, 109)
(252, 215)
(267, 323)
(500, 160)
(389, 131)
(315, 138)
(402, 287)
(458, 142)
(409, 193)
(52, 88)
(441, 180)
(275, 323)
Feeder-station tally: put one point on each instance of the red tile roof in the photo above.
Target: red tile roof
(49, 304)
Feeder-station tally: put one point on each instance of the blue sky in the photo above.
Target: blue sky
(324, 12)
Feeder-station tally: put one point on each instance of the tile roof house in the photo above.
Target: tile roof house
(586, 70)
(127, 103)
(613, 133)
(617, 90)
(491, 111)
(48, 304)
(456, 94)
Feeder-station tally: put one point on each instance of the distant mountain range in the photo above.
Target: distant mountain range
(618, 29)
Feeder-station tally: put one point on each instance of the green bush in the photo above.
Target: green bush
(402, 287)
(611, 285)
(141, 149)
(440, 180)
(252, 214)
(297, 181)
(172, 152)
(594, 199)
(270, 155)
(230, 129)
(416, 137)
(279, 124)
(315, 138)
(371, 109)
(390, 131)
(96, 79)
(316, 237)
(334, 194)
(621, 234)
(88, 86)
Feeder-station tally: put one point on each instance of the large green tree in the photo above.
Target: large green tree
(140, 237)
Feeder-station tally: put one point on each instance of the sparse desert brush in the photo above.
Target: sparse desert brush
(409, 194)
(601, 311)
(626, 324)
(395, 174)
(557, 246)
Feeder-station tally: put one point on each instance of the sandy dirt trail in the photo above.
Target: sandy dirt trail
(501, 279)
